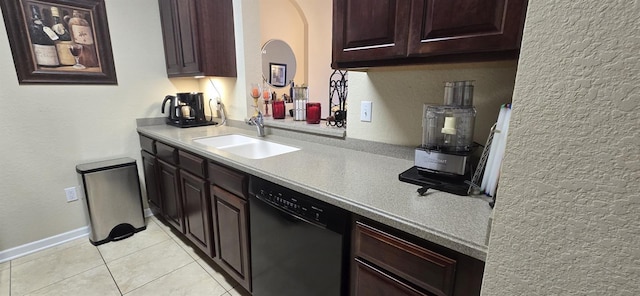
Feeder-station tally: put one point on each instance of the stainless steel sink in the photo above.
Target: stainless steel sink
(246, 147)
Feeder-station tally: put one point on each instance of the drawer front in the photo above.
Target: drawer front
(192, 163)
(369, 280)
(167, 153)
(419, 266)
(147, 144)
(231, 180)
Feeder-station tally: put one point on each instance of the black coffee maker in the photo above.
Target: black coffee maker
(186, 110)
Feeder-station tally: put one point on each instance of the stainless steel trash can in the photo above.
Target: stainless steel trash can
(112, 195)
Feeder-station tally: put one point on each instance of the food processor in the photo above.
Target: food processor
(444, 159)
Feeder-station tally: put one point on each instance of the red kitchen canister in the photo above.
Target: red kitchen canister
(313, 113)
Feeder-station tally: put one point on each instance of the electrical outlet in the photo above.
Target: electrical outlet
(365, 111)
(71, 194)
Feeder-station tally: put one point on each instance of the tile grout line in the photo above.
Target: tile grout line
(140, 250)
(161, 276)
(45, 249)
(211, 276)
(119, 258)
(109, 270)
(125, 255)
(66, 278)
(180, 244)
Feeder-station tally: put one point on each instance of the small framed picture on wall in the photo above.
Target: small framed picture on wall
(278, 74)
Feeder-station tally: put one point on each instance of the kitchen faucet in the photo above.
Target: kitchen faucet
(258, 121)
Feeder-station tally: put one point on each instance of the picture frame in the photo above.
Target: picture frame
(277, 74)
(89, 59)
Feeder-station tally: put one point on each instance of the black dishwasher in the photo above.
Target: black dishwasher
(299, 245)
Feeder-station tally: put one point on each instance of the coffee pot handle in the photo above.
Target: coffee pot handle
(167, 98)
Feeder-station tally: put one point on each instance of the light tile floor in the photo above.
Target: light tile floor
(151, 262)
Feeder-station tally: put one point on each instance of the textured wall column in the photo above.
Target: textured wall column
(567, 219)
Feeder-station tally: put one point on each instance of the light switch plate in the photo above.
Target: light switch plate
(365, 111)
(71, 194)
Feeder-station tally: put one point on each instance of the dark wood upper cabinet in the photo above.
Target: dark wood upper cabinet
(370, 30)
(402, 32)
(198, 37)
(465, 26)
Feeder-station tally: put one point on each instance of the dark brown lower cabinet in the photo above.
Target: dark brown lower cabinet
(207, 202)
(150, 168)
(170, 191)
(231, 235)
(197, 216)
(371, 281)
(386, 261)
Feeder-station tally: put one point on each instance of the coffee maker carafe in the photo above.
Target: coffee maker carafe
(186, 110)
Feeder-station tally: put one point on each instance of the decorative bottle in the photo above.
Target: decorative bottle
(64, 39)
(82, 33)
(42, 40)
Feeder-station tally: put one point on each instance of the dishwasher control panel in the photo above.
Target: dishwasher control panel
(299, 205)
(293, 203)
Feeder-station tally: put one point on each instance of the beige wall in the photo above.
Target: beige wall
(233, 91)
(48, 129)
(284, 20)
(306, 27)
(566, 218)
(398, 95)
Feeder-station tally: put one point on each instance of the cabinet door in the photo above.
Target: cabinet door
(170, 35)
(170, 195)
(465, 26)
(151, 182)
(187, 24)
(216, 38)
(231, 235)
(178, 21)
(370, 281)
(199, 37)
(368, 30)
(197, 210)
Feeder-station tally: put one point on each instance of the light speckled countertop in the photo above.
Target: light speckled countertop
(364, 183)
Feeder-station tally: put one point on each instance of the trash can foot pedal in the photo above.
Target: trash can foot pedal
(120, 232)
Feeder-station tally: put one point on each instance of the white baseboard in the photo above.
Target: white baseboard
(49, 242)
(42, 244)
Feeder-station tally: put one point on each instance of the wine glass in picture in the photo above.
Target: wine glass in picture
(76, 49)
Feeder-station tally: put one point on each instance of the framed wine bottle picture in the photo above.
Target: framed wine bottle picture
(59, 41)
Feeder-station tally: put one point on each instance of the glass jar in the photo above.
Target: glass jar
(313, 113)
